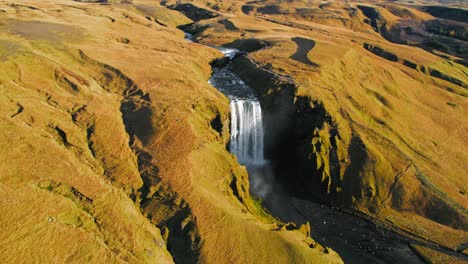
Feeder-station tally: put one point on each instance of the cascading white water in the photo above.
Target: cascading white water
(246, 140)
(246, 114)
(246, 131)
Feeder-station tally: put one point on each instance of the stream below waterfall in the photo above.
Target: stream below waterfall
(355, 239)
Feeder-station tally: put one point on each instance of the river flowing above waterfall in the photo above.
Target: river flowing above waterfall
(247, 131)
(355, 239)
(246, 140)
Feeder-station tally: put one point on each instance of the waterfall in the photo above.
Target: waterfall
(246, 113)
(246, 141)
(246, 131)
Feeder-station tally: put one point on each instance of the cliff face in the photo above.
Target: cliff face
(357, 120)
(110, 149)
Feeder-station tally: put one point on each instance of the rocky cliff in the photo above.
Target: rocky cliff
(364, 112)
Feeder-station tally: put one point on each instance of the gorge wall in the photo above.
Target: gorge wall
(331, 126)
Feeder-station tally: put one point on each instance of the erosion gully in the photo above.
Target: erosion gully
(357, 240)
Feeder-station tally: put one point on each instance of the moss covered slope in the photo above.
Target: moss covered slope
(107, 148)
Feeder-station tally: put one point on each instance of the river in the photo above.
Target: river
(355, 239)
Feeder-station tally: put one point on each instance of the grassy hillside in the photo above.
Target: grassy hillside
(107, 148)
(368, 121)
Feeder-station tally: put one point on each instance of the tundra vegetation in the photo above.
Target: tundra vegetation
(113, 143)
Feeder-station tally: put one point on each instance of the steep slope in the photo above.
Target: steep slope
(61, 138)
(108, 149)
(356, 120)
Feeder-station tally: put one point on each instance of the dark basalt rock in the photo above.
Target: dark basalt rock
(374, 19)
(193, 28)
(195, 13)
(221, 62)
(381, 52)
(246, 9)
(450, 29)
(277, 96)
(228, 25)
(440, 75)
(410, 64)
(247, 45)
(456, 14)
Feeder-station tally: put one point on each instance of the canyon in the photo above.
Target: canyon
(214, 131)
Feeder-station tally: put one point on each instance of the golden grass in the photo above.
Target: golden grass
(73, 176)
(402, 115)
